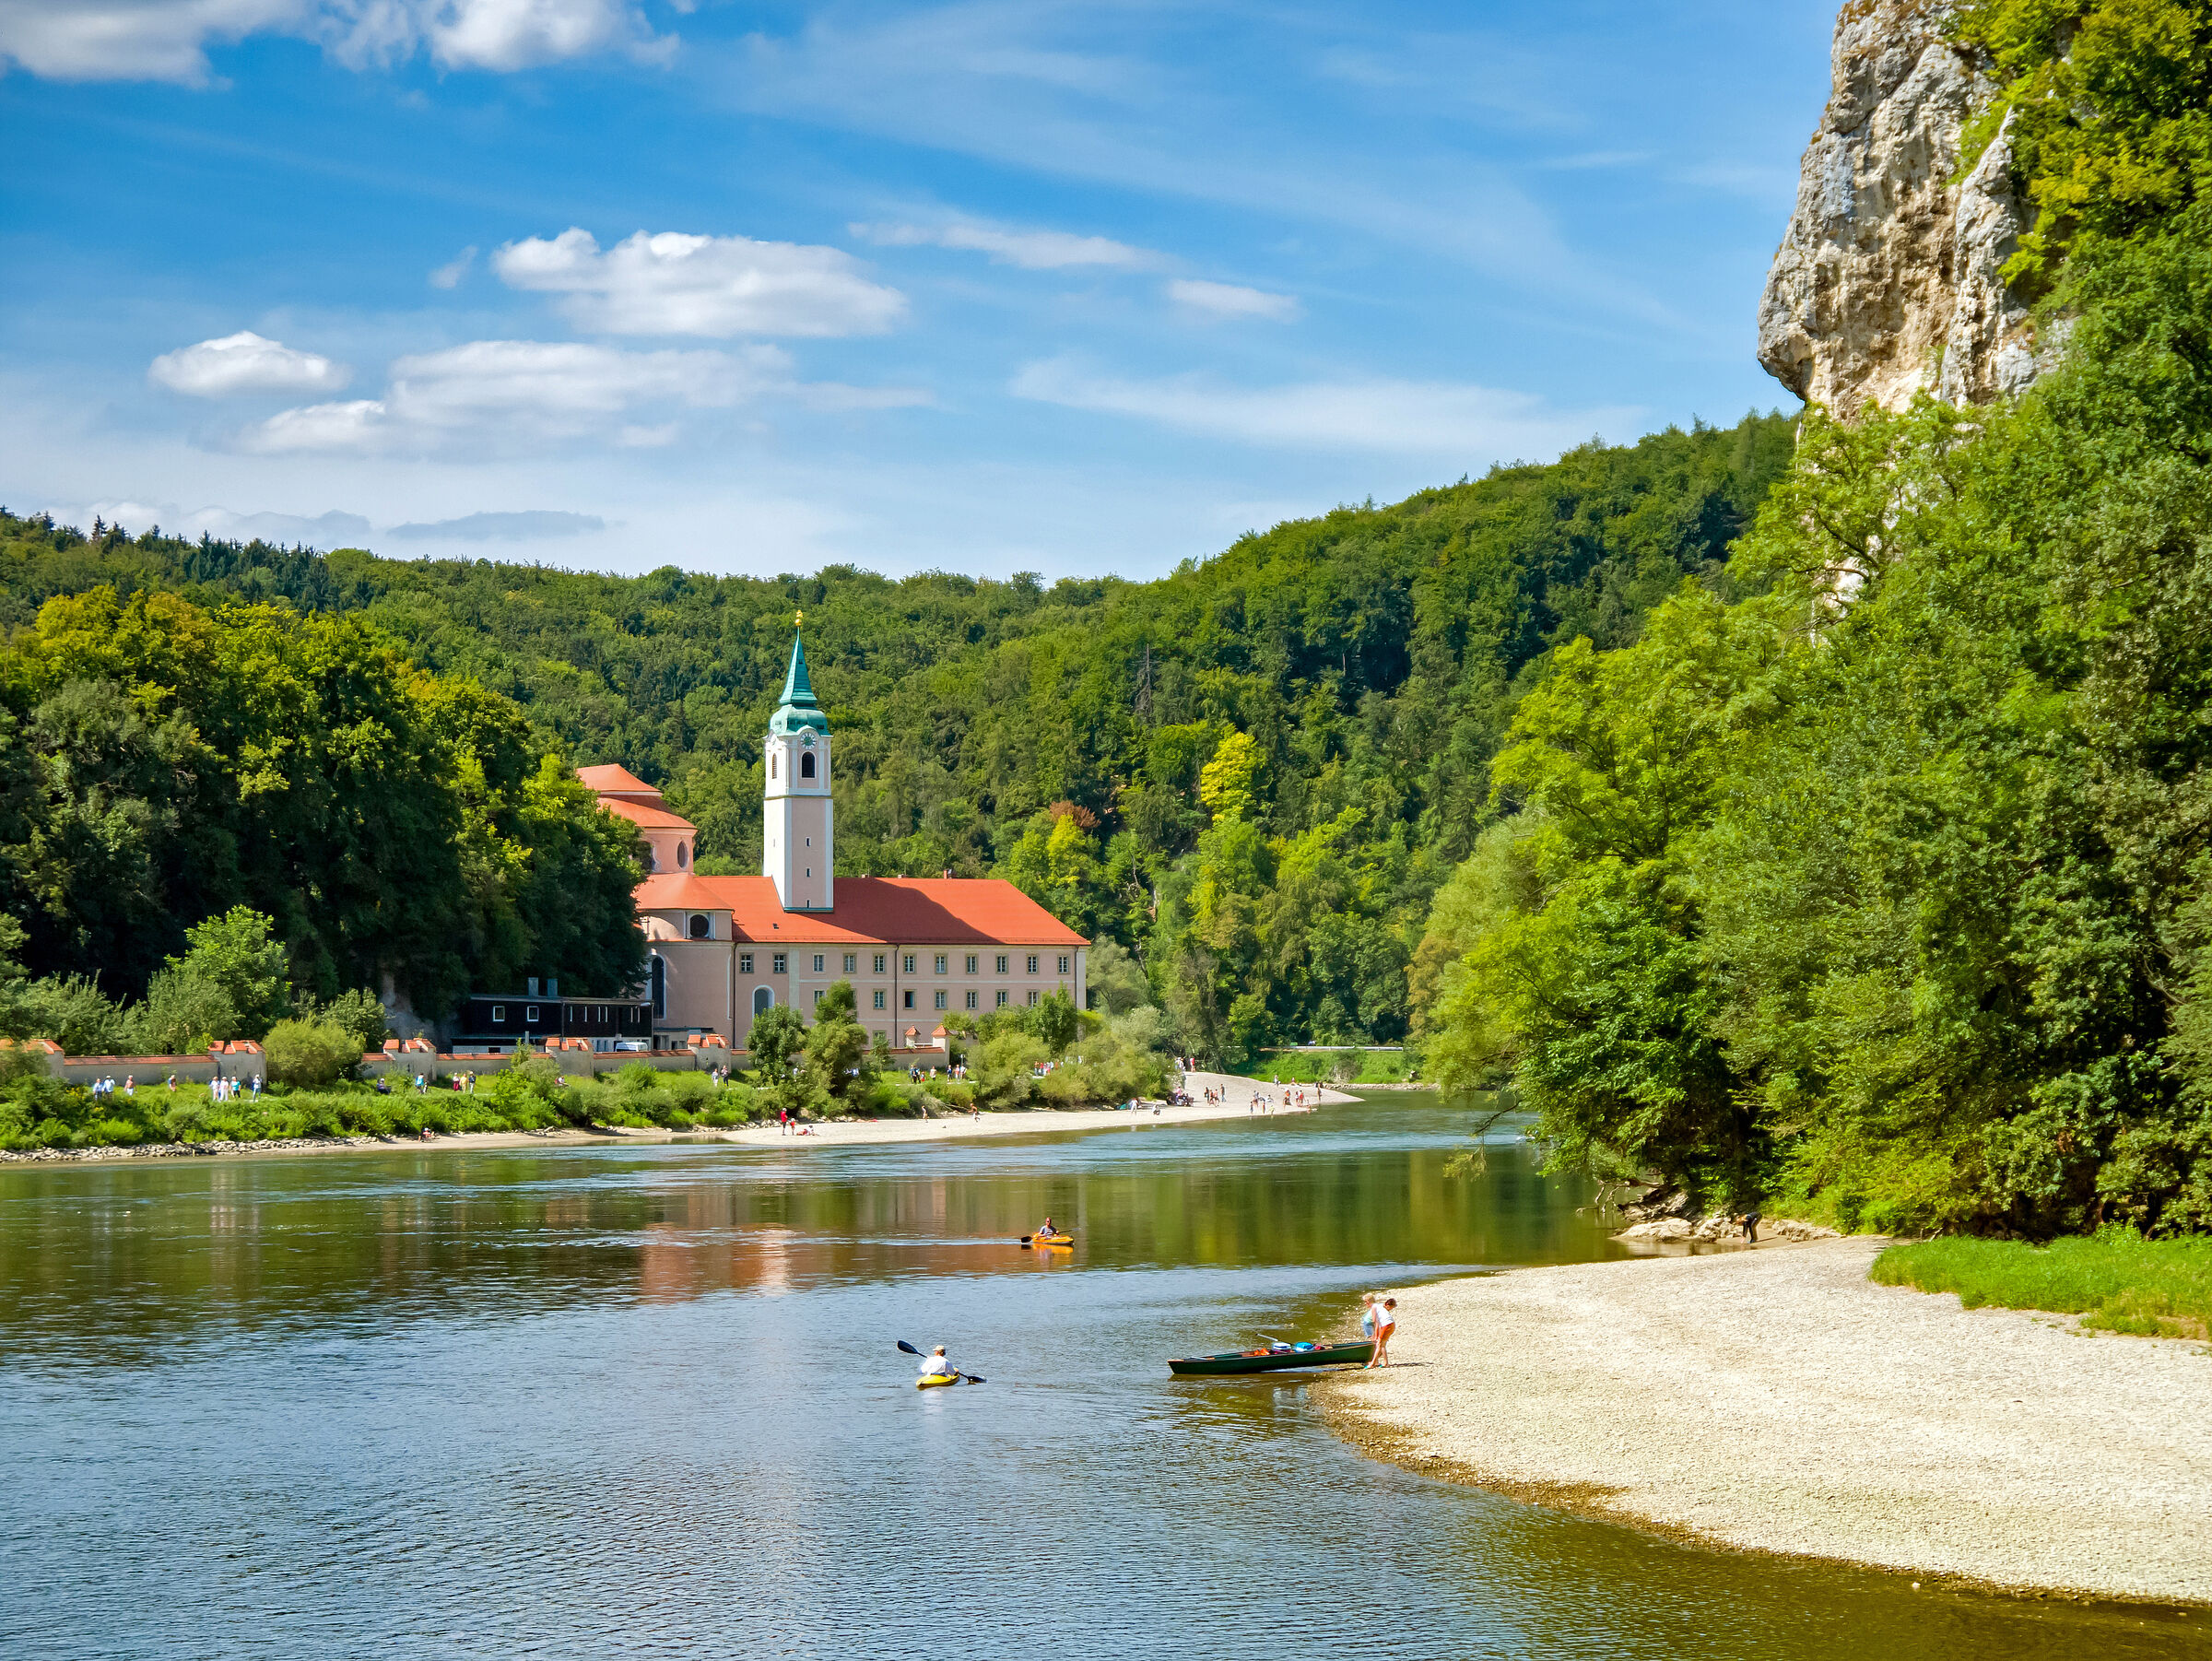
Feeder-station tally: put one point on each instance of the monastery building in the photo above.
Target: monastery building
(917, 950)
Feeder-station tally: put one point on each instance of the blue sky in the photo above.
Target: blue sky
(1069, 288)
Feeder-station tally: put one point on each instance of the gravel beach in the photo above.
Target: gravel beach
(1777, 1400)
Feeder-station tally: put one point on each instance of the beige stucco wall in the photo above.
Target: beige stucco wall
(703, 976)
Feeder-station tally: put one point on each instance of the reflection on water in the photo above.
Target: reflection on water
(645, 1401)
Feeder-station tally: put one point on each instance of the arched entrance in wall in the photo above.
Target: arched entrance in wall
(660, 987)
(763, 1000)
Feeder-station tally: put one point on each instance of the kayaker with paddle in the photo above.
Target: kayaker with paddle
(936, 1364)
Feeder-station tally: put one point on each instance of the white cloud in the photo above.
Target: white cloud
(134, 39)
(675, 284)
(1227, 303)
(1030, 250)
(1422, 418)
(518, 389)
(244, 363)
(510, 394)
(522, 34)
(167, 40)
(449, 275)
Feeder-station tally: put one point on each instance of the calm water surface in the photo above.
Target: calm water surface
(607, 1402)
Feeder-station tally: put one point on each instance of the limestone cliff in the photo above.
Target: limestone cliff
(1887, 279)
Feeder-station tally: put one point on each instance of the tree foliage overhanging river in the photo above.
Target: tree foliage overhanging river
(645, 1402)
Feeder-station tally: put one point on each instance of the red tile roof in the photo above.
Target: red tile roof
(871, 910)
(649, 819)
(611, 780)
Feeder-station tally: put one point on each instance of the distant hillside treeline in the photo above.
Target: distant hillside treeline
(1254, 771)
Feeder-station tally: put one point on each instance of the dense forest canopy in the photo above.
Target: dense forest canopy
(1254, 771)
(163, 763)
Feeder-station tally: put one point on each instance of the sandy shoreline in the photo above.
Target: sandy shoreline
(1777, 1400)
(843, 1132)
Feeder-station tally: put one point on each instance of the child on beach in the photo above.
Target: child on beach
(1386, 1323)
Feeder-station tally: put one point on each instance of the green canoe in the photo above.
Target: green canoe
(1271, 1360)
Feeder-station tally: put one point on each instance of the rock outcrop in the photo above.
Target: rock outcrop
(1887, 282)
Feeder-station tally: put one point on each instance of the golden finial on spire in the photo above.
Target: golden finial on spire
(797, 618)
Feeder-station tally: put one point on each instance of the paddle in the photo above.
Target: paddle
(968, 1377)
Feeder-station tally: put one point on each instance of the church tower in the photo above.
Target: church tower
(797, 851)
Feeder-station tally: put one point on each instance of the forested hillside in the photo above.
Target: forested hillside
(1254, 773)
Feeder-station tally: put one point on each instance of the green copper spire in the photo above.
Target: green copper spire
(797, 688)
(798, 710)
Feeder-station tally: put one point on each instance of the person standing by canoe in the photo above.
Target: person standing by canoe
(1386, 1323)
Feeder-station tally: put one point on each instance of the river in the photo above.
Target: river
(645, 1401)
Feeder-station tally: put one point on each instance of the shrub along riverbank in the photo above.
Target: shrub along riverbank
(2116, 1281)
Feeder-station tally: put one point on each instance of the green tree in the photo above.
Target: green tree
(310, 1053)
(777, 1049)
(837, 1049)
(234, 956)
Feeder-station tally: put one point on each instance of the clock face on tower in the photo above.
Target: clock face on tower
(807, 740)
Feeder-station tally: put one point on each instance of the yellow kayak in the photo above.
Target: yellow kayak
(1052, 1240)
(930, 1381)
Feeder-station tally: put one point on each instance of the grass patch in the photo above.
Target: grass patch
(1323, 1067)
(2116, 1281)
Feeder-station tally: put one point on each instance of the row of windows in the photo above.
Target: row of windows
(780, 962)
(588, 1012)
(974, 999)
(852, 966)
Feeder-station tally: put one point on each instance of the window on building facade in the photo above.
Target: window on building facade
(817, 963)
(775, 963)
(1001, 998)
(940, 1000)
(701, 927)
(818, 997)
(1063, 963)
(972, 996)
(851, 962)
(499, 1013)
(1033, 963)
(683, 857)
(772, 764)
(909, 962)
(763, 1000)
(941, 962)
(806, 764)
(659, 971)
(1032, 997)
(744, 962)
(910, 1000)
(1001, 962)
(880, 998)
(880, 961)
(530, 1013)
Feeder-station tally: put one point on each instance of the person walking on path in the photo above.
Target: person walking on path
(1386, 1323)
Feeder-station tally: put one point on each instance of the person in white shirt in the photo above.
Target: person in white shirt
(1386, 1323)
(936, 1362)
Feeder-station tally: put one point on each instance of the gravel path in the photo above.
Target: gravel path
(1778, 1400)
